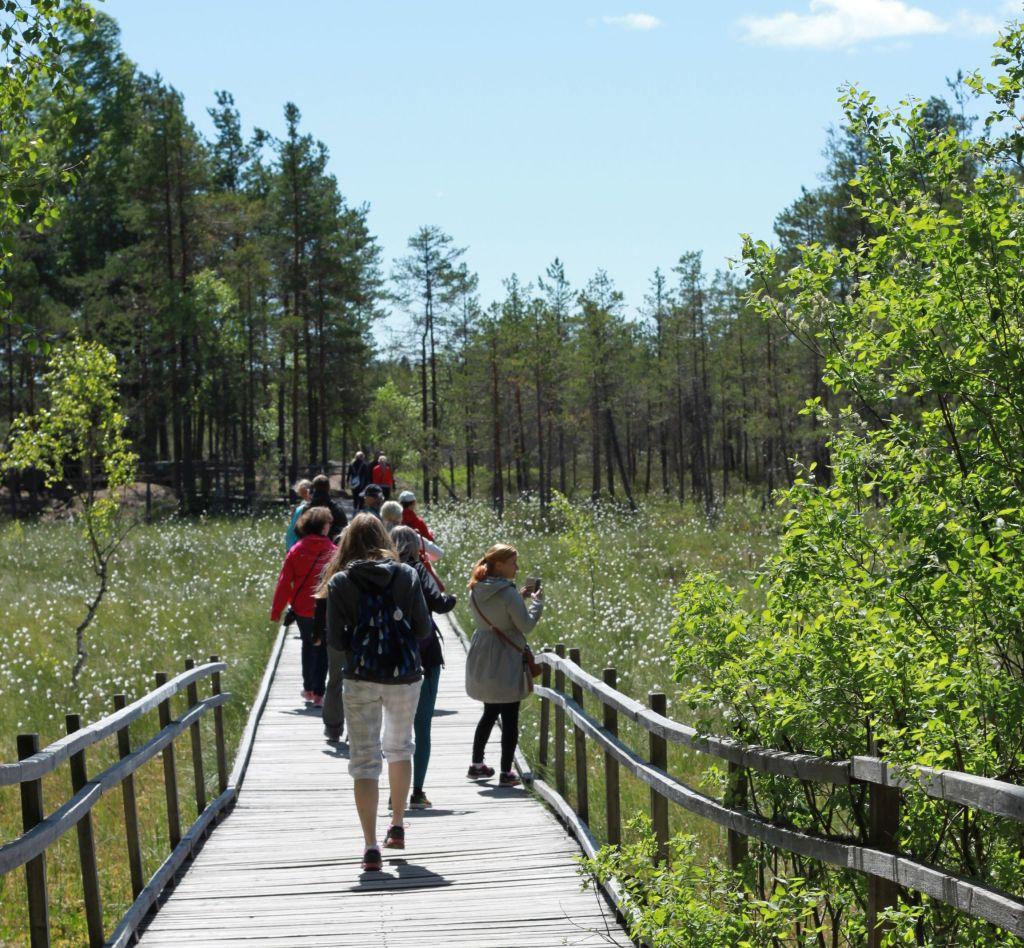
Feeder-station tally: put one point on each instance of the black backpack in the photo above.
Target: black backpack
(383, 645)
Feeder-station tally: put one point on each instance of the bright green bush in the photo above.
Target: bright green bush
(893, 615)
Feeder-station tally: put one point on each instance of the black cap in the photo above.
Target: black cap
(373, 490)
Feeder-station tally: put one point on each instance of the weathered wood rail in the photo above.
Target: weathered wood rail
(41, 831)
(887, 870)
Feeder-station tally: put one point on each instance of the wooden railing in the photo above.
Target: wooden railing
(41, 830)
(887, 869)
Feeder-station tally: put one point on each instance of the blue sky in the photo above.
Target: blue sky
(610, 135)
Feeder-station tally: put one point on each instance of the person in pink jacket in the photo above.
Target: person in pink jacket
(299, 578)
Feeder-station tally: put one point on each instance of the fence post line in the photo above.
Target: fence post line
(580, 749)
(131, 810)
(218, 731)
(196, 735)
(883, 828)
(170, 771)
(736, 797)
(86, 845)
(35, 869)
(545, 718)
(612, 806)
(560, 726)
(659, 759)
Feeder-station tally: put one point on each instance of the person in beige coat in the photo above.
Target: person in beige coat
(496, 673)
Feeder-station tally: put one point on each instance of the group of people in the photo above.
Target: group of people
(363, 594)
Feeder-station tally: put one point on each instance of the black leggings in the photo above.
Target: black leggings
(509, 714)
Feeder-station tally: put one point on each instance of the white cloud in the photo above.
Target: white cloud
(978, 24)
(832, 24)
(633, 21)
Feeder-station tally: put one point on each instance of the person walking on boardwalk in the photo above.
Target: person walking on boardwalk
(411, 518)
(376, 617)
(384, 476)
(300, 576)
(321, 497)
(496, 669)
(302, 491)
(408, 544)
(373, 498)
(358, 477)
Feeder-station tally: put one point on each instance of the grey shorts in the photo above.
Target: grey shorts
(369, 704)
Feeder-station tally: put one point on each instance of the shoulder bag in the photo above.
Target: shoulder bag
(528, 660)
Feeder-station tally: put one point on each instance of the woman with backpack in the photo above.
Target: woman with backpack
(376, 617)
(407, 542)
(496, 667)
(299, 578)
(302, 491)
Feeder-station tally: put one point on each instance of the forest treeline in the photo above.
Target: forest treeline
(238, 289)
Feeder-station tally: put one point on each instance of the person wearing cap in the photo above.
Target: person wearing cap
(412, 519)
(373, 497)
(383, 476)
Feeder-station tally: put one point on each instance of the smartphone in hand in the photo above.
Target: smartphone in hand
(532, 585)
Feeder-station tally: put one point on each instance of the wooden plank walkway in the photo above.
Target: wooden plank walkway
(486, 866)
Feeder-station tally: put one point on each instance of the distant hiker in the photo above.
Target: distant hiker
(407, 542)
(410, 517)
(321, 497)
(496, 670)
(358, 474)
(391, 513)
(383, 475)
(376, 616)
(373, 497)
(299, 578)
(301, 489)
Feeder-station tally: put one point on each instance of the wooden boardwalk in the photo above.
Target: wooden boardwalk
(485, 867)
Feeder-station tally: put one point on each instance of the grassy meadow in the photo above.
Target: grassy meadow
(618, 617)
(181, 589)
(192, 588)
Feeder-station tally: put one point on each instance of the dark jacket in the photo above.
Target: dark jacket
(373, 575)
(338, 519)
(358, 476)
(438, 602)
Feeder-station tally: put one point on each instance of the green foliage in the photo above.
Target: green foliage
(393, 424)
(693, 902)
(79, 436)
(32, 43)
(892, 616)
(581, 541)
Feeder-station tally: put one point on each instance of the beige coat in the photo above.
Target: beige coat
(494, 669)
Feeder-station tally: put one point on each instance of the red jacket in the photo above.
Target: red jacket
(300, 575)
(383, 475)
(412, 519)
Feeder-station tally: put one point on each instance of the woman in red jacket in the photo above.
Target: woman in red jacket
(383, 476)
(412, 519)
(299, 579)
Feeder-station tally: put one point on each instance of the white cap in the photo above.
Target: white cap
(406, 496)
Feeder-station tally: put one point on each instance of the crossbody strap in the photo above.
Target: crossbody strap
(501, 635)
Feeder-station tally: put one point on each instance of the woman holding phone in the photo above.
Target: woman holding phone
(496, 671)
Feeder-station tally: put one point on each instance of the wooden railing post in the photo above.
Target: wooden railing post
(545, 719)
(218, 731)
(736, 797)
(86, 845)
(560, 727)
(659, 759)
(131, 810)
(883, 826)
(196, 735)
(35, 869)
(612, 809)
(580, 749)
(170, 770)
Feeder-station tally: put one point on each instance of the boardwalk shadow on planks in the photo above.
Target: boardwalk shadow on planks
(399, 874)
